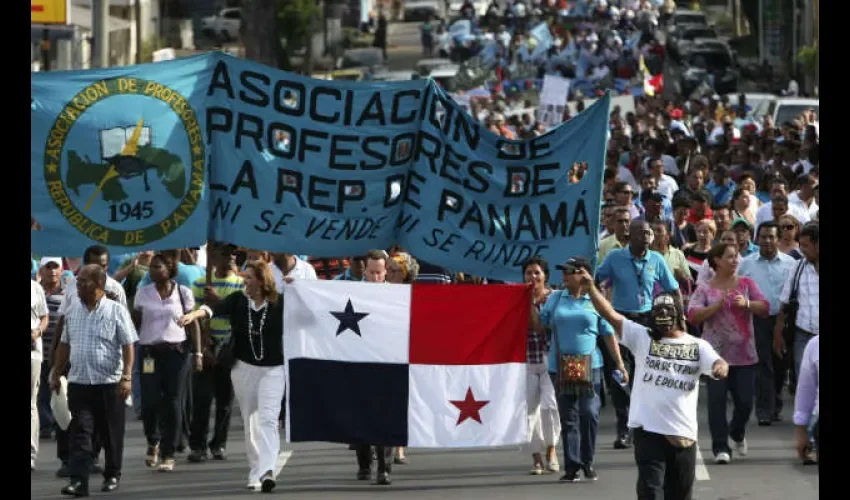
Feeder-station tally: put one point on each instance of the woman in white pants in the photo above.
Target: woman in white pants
(543, 420)
(256, 319)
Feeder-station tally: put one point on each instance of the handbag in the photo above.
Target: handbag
(574, 370)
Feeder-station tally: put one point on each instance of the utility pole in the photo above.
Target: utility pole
(309, 55)
(137, 14)
(45, 49)
(100, 33)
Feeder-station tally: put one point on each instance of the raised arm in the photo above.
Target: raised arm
(603, 307)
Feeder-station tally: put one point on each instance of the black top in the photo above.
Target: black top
(236, 307)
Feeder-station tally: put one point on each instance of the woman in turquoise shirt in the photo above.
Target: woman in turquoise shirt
(575, 325)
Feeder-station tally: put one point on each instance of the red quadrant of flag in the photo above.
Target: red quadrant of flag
(469, 324)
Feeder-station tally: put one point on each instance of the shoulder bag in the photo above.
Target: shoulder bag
(575, 371)
(225, 357)
(187, 342)
(790, 309)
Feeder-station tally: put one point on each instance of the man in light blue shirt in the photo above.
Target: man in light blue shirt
(769, 269)
(633, 271)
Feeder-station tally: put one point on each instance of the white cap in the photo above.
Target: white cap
(48, 260)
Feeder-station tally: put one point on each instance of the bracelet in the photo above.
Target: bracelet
(747, 306)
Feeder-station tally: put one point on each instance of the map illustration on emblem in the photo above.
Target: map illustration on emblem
(130, 167)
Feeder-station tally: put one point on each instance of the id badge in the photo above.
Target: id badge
(640, 300)
(147, 365)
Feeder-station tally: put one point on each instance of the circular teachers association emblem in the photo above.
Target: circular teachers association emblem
(125, 161)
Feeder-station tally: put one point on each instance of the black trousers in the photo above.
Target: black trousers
(63, 445)
(383, 453)
(95, 410)
(211, 384)
(163, 395)
(665, 472)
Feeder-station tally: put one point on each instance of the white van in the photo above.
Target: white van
(786, 109)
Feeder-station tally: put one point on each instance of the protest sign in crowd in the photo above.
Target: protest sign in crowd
(227, 223)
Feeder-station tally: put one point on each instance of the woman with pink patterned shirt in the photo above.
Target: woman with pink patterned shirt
(725, 305)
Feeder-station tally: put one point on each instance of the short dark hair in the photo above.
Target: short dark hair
(619, 185)
(540, 261)
(717, 251)
(778, 179)
(359, 258)
(768, 225)
(169, 259)
(811, 230)
(378, 255)
(94, 252)
(717, 206)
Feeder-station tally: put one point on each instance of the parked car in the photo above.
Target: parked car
(223, 26)
(420, 10)
(713, 63)
(786, 109)
(686, 37)
(685, 16)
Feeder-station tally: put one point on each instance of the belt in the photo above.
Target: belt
(806, 333)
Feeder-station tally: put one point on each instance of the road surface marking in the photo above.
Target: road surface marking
(701, 471)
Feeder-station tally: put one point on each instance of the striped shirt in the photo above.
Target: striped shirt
(95, 339)
(808, 296)
(219, 326)
(54, 303)
(429, 273)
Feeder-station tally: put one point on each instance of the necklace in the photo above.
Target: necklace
(258, 332)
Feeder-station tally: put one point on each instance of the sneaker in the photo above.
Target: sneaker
(722, 458)
(219, 454)
(741, 447)
(364, 474)
(621, 443)
(253, 485)
(590, 473)
(765, 422)
(537, 470)
(571, 476)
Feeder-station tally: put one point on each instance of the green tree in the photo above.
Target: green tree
(296, 22)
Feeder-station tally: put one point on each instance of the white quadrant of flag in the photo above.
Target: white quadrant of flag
(366, 321)
(467, 405)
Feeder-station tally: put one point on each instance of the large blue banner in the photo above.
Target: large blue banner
(297, 165)
(119, 157)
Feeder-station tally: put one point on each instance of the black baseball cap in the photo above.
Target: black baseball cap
(575, 263)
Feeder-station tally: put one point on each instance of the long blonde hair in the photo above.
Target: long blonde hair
(263, 271)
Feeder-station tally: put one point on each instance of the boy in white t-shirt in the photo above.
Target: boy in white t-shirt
(663, 413)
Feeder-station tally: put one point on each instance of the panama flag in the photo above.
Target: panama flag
(431, 366)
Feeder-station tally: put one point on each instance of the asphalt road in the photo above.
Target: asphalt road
(405, 48)
(321, 471)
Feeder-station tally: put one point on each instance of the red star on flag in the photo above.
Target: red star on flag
(469, 407)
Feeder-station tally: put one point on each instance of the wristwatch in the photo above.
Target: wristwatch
(126, 378)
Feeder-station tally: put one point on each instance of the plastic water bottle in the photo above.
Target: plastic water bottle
(617, 375)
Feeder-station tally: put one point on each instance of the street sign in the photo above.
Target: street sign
(49, 11)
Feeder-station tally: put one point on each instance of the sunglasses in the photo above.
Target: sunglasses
(571, 270)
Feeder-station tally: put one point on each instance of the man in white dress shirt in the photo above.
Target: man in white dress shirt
(779, 185)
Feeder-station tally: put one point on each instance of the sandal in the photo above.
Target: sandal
(152, 456)
(167, 465)
(553, 466)
(400, 461)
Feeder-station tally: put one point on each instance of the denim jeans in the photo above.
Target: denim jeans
(741, 383)
(579, 422)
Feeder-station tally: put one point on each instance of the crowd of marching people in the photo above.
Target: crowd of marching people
(706, 277)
